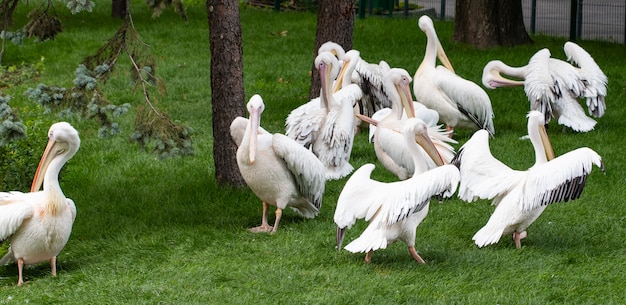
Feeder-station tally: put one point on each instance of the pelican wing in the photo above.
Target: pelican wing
(482, 175)
(571, 114)
(561, 179)
(552, 87)
(238, 129)
(304, 122)
(353, 202)
(14, 210)
(308, 171)
(384, 204)
(403, 198)
(337, 135)
(539, 85)
(393, 147)
(468, 97)
(593, 77)
(370, 78)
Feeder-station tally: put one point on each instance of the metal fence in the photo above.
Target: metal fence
(593, 19)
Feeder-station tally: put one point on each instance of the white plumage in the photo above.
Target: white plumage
(429, 116)
(390, 149)
(459, 102)
(278, 170)
(553, 86)
(38, 224)
(520, 196)
(326, 125)
(393, 210)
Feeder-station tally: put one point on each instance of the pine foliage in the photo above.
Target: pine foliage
(153, 128)
(85, 99)
(42, 24)
(11, 128)
(77, 6)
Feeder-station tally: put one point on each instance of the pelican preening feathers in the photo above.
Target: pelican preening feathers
(395, 209)
(37, 225)
(553, 86)
(326, 125)
(520, 196)
(278, 170)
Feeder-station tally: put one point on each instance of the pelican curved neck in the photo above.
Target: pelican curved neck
(518, 72)
(430, 56)
(51, 179)
(396, 102)
(535, 139)
(416, 155)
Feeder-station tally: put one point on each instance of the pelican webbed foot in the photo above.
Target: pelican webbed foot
(262, 229)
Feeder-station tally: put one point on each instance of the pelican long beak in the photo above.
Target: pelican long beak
(407, 100)
(45, 161)
(341, 76)
(497, 80)
(545, 140)
(441, 54)
(366, 119)
(255, 121)
(424, 141)
(325, 84)
(340, 233)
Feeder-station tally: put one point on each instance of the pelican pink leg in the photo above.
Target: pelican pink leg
(264, 227)
(416, 256)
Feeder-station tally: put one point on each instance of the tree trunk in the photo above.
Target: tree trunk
(488, 23)
(118, 8)
(335, 22)
(227, 94)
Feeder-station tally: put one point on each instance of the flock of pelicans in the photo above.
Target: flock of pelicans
(291, 170)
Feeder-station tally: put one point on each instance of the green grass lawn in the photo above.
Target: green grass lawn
(162, 232)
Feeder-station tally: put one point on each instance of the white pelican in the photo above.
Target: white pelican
(278, 170)
(460, 103)
(362, 104)
(393, 210)
(326, 125)
(390, 149)
(520, 196)
(553, 86)
(38, 224)
(369, 77)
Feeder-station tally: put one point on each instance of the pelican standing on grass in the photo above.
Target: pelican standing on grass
(37, 225)
(520, 196)
(326, 125)
(393, 210)
(278, 170)
(459, 102)
(553, 86)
